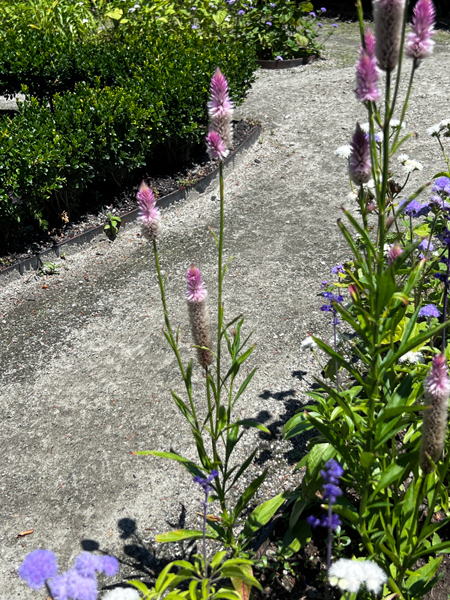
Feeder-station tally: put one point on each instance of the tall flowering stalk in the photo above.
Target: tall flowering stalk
(419, 44)
(436, 391)
(367, 73)
(388, 32)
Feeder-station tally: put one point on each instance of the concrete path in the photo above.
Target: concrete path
(86, 371)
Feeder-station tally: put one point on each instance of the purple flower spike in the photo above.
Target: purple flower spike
(436, 391)
(388, 31)
(419, 44)
(37, 567)
(220, 110)
(369, 42)
(359, 163)
(430, 310)
(199, 316)
(215, 145)
(196, 291)
(205, 482)
(148, 213)
(367, 78)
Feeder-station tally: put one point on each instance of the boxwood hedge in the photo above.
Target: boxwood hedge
(96, 109)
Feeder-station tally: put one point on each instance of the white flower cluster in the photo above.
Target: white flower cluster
(409, 164)
(308, 344)
(348, 575)
(343, 151)
(438, 127)
(412, 358)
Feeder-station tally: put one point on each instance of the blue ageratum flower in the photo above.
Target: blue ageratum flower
(37, 567)
(442, 184)
(338, 269)
(430, 310)
(241, 12)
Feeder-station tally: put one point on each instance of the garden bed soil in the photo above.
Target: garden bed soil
(162, 182)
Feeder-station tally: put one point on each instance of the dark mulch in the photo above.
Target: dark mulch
(161, 179)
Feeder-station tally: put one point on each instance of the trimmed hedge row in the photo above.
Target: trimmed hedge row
(124, 98)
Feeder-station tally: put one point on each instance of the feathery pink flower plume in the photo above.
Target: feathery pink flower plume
(419, 44)
(359, 162)
(148, 213)
(215, 145)
(369, 43)
(393, 252)
(367, 78)
(436, 391)
(220, 108)
(199, 316)
(388, 15)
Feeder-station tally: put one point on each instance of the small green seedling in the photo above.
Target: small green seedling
(112, 228)
(49, 269)
(63, 256)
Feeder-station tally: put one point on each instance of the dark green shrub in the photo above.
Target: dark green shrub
(126, 99)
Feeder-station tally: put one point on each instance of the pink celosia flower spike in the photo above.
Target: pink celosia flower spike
(388, 16)
(198, 314)
(393, 252)
(367, 78)
(359, 163)
(419, 44)
(215, 146)
(148, 213)
(220, 108)
(369, 42)
(436, 391)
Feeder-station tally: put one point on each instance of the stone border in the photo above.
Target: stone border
(37, 260)
(286, 64)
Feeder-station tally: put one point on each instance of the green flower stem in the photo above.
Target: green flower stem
(405, 106)
(172, 338)
(443, 152)
(219, 293)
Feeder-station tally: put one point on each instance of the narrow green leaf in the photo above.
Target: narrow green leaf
(187, 464)
(262, 515)
(183, 534)
(388, 476)
(248, 494)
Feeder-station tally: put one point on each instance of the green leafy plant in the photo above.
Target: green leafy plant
(112, 227)
(49, 268)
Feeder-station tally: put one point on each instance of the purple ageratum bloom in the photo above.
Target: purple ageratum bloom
(359, 163)
(87, 564)
(272, 4)
(437, 203)
(330, 307)
(220, 110)
(37, 567)
(109, 565)
(414, 208)
(338, 269)
(335, 25)
(419, 44)
(215, 146)
(205, 482)
(323, 10)
(388, 15)
(442, 184)
(194, 27)
(312, 14)
(319, 25)
(73, 585)
(278, 58)
(268, 23)
(149, 216)
(426, 246)
(429, 311)
(241, 12)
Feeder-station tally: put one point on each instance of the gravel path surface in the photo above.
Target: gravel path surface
(86, 370)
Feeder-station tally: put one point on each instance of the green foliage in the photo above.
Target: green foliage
(98, 108)
(112, 227)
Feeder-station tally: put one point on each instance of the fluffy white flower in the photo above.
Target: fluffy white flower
(343, 151)
(434, 129)
(346, 574)
(402, 157)
(411, 165)
(121, 593)
(396, 123)
(365, 127)
(308, 344)
(412, 357)
(444, 123)
(374, 576)
(352, 196)
(370, 185)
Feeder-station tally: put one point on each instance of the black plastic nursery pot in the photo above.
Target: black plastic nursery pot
(287, 64)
